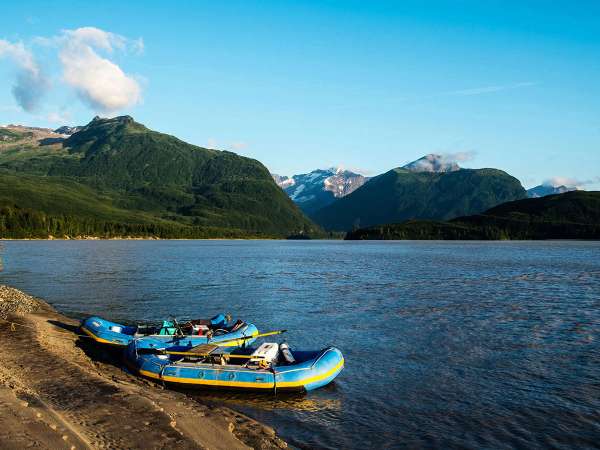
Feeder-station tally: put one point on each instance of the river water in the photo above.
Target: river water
(447, 344)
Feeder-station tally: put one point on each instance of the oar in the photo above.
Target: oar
(222, 355)
(268, 333)
(191, 353)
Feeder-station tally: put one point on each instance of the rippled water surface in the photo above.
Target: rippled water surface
(455, 344)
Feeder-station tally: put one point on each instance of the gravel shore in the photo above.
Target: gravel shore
(59, 391)
(14, 301)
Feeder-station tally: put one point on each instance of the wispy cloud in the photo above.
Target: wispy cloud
(86, 57)
(488, 89)
(440, 162)
(570, 182)
(31, 83)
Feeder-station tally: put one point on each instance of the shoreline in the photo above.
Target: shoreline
(58, 391)
(133, 238)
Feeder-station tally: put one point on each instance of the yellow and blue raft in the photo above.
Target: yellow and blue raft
(194, 332)
(269, 367)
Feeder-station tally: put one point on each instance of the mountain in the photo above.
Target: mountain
(542, 190)
(115, 176)
(66, 130)
(571, 215)
(312, 191)
(16, 136)
(412, 193)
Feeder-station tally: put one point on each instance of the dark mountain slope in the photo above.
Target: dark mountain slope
(401, 194)
(572, 215)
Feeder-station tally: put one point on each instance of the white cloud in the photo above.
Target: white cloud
(570, 182)
(440, 162)
(239, 145)
(98, 81)
(87, 67)
(560, 181)
(31, 84)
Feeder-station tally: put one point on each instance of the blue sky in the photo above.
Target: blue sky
(368, 85)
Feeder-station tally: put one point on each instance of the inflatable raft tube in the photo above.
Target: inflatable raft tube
(310, 370)
(106, 332)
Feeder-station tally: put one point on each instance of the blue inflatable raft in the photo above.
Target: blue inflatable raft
(193, 332)
(269, 367)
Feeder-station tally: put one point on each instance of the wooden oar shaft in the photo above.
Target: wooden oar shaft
(227, 355)
(268, 333)
(222, 355)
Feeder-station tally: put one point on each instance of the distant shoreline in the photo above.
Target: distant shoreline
(93, 238)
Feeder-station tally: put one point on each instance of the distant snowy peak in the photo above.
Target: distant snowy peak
(343, 182)
(433, 163)
(282, 181)
(315, 189)
(543, 189)
(336, 180)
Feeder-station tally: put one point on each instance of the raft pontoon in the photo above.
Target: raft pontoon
(270, 367)
(193, 332)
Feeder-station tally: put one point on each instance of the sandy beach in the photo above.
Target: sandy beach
(60, 392)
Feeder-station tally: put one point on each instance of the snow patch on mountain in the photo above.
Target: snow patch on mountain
(297, 191)
(320, 187)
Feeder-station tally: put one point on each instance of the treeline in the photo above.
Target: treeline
(572, 215)
(487, 228)
(21, 223)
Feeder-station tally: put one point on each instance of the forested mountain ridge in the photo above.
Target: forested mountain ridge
(571, 215)
(408, 193)
(116, 173)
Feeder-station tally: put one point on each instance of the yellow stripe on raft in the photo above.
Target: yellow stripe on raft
(314, 379)
(99, 339)
(246, 384)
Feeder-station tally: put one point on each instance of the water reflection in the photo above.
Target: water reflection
(291, 401)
